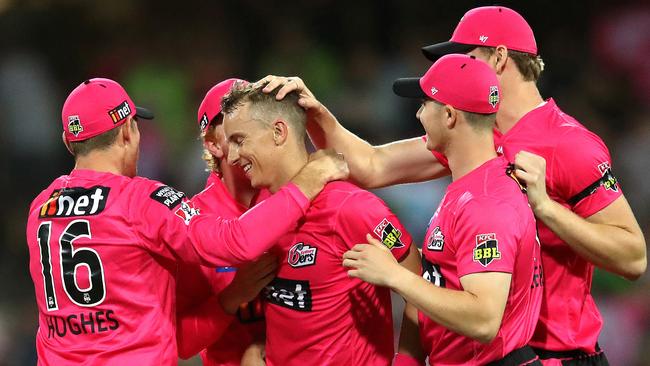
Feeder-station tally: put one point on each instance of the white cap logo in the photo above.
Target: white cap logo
(483, 39)
(434, 91)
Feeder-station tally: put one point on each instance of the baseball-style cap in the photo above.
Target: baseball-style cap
(211, 105)
(461, 81)
(96, 106)
(488, 26)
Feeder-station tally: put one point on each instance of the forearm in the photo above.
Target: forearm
(617, 249)
(200, 327)
(326, 132)
(459, 311)
(230, 242)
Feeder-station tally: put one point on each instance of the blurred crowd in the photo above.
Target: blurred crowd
(168, 54)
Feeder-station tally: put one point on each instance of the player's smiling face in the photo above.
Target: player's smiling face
(251, 146)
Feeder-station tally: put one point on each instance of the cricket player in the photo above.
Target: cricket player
(480, 292)
(583, 217)
(104, 243)
(219, 314)
(315, 313)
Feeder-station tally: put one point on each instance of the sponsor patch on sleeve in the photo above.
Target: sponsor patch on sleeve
(168, 196)
(186, 211)
(487, 249)
(389, 234)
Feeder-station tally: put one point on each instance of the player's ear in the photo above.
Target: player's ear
(451, 114)
(280, 131)
(500, 59)
(66, 143)
(126, 133)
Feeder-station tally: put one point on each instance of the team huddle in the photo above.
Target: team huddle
(285, 258)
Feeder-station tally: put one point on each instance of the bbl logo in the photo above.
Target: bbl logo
(120, 112)
(204, 121)
(608, 181)
(487, 249)
(74, 125)
(436, 240)
(493, 99)
(389, 235)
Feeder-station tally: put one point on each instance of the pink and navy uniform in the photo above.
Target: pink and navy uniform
(201, 318)
(483, 224)
(315, 313)
(578, 176)
(103, 258)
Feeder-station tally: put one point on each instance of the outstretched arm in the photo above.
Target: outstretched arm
(403, 161)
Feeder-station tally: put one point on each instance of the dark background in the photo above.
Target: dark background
(168, 54)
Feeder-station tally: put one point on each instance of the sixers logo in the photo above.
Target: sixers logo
(436, 240)
(301, 255)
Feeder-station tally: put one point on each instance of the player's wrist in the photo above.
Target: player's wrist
(396, 278)
(543, 209)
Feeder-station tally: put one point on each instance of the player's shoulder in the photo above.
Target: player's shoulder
(45, 194)
(567, 130)
(342, 191)
(140, 189)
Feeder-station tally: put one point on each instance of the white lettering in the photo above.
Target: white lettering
(97, 198)
(82, 202)
(63, 199)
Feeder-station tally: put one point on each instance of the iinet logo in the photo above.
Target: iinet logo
(76, 201)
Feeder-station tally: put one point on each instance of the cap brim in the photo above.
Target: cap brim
(435, 51)
(143, 113)
(408, 88)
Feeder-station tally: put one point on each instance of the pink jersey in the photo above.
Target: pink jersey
(578, 176)
(103, 252)
(316, 314)
(203, 326)
(483, 224)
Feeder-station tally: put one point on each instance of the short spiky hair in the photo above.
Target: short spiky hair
(265, 107)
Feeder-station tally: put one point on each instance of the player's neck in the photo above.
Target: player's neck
(288, 167)
(518, 98)
(468, 153)
(105, 161)
(239, 187)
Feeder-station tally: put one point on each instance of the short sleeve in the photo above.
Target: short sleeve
(440, 156)
(486, 237)
(582, 174)
(362, 213)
